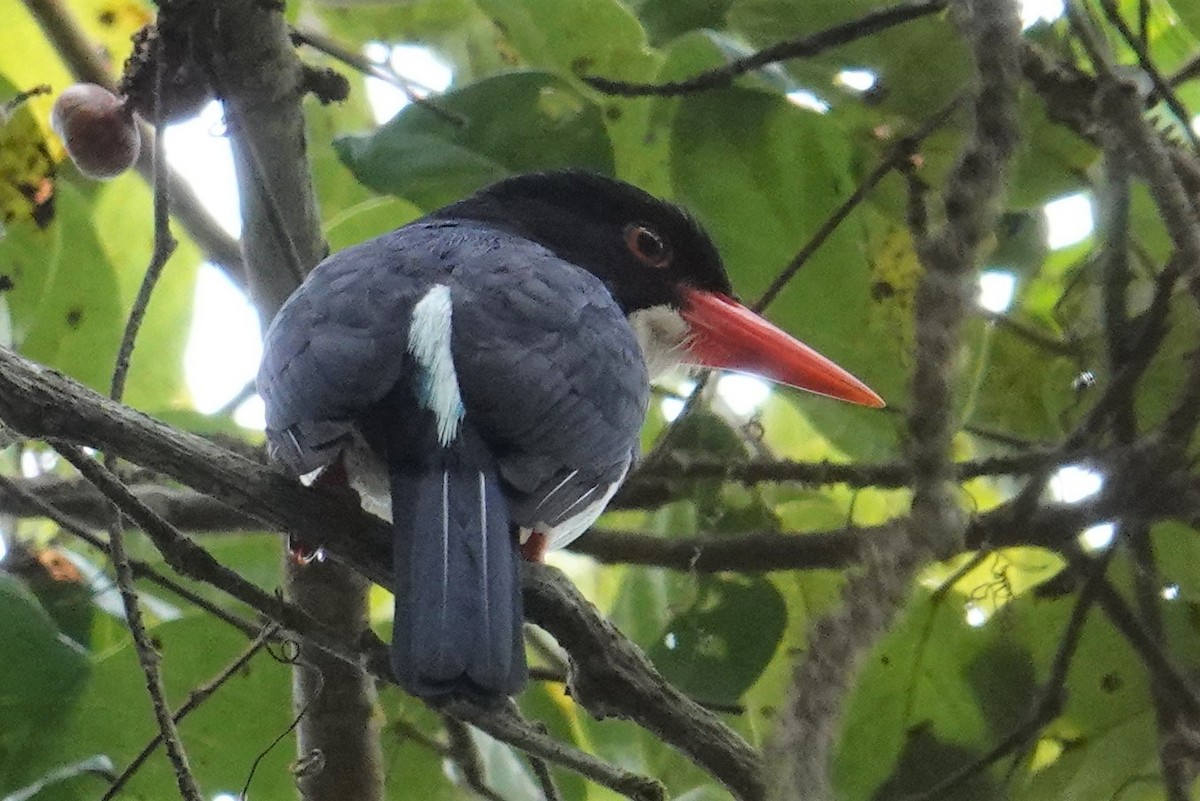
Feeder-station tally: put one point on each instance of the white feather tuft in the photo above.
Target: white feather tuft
(429, 343)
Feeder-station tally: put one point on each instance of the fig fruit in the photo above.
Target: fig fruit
(98, 130)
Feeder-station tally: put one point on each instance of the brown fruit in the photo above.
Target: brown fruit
(98, 130)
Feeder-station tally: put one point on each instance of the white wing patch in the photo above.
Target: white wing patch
(429, 343)
(569, 529)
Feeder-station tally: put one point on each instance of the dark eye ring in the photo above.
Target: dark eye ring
(647, 245)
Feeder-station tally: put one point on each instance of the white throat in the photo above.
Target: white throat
(662, 334)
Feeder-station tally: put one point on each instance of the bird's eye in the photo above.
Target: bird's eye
(647, 245)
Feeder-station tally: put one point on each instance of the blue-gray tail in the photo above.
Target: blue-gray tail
(458, 596)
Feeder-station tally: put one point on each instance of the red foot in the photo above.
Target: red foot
(301, 553)
(332, 478)
(534, 549)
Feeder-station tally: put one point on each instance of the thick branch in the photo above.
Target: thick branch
(611, 677)
(799, 755)
(42, 403)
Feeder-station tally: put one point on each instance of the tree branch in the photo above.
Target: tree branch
(800, 753)
(804, 47)
(148, 656)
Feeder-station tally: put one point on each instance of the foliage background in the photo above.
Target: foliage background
(763, 173)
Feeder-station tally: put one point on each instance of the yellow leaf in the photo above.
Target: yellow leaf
(26, 168)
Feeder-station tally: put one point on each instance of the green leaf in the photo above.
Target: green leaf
(122, 217)
(574, 37)
(667, 19)
(919, 65)
(65, 301)
(926, 760)
(456, 30)
(593, 37)
(41, 677)
(368, 219)
(222, 737)
(709, 651)
(1036, 404)
(763, 175)
(913, 679)
(515, 122)
(412, 769)
(331, 180)
(1051, 162)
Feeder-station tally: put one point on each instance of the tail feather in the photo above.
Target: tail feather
(458, 603)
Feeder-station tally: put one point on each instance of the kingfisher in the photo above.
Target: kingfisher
(482, 375)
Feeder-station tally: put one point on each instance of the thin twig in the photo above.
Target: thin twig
(140, 569)
(505, 724)
(545, 780)
(804, 47)
(611, 677)
(1162, 670)
(1052, 345)
(148, 656)
(1119, 102)
(195, 698)
(366, 66)
(462, 751)
(1114, 201)
(191, 560)
(410, 730)
(1080, 19)
(164, 246)
(1180, 425)
(1161, 85)
(1146, 584)
(1050, 697)
(899, 153)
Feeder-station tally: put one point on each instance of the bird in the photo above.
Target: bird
(482, 376)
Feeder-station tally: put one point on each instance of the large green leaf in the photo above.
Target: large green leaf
(764, 175)
(919, 65)
(510, 123)
(709, 651)
(368, 219)
(593, 37)
(574, 37)
(666, 19)
(66, 299)
(122, 214)
(222, 737)
(41, 676)
(913, 682)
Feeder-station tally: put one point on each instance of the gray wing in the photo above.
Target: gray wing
(549, 370)
(564, 409)
(337, 345)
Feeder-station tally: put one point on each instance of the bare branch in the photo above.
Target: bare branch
(148, 655)
(899, 153)
(804, 47)
(195, 699)
(800, 753)
(611, 677)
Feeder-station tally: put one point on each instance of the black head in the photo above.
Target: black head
(641, 247)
